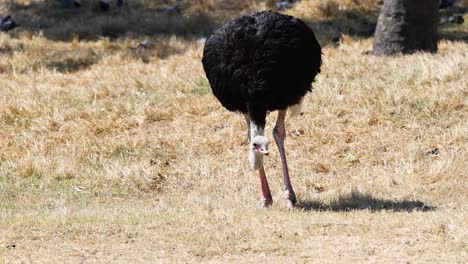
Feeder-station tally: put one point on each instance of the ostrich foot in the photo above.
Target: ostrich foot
(290, 198)
(265, 202)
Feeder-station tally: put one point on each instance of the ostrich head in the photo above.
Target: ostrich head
(258, 148)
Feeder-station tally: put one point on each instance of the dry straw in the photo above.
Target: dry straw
(114, 151)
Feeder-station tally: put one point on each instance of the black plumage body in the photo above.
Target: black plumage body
(261, 62)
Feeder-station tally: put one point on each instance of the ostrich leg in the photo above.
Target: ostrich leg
(266, 194)
(279, 134)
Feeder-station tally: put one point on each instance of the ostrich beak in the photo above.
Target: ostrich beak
(262, 151)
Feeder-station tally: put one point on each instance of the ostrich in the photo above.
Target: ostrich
(260, 63)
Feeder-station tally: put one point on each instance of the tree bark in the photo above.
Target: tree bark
(406, 26)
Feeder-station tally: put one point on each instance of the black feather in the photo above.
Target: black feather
(261, 62)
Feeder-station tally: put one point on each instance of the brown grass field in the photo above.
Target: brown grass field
(116, 152)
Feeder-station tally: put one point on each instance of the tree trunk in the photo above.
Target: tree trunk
(406, 26)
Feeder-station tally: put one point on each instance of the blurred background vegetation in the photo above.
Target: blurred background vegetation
(150, 30)
(194, 18)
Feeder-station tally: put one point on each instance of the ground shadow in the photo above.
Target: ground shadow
(358, 24)
(453, 31)
(89, 23)
(354, 23)
(135, 21)
(359, 201)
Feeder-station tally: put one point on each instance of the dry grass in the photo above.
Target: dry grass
(115, 152)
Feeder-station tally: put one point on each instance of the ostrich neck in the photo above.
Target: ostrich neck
(256, 159)
(256, 130)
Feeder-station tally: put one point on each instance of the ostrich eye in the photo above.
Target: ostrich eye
(255, 145)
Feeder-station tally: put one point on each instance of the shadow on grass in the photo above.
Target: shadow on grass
(144, 19)
(352, 22)
(89, 23)
(139, 18)
(359, 201)
(358, 24)
(135, 20)
(454, 32)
